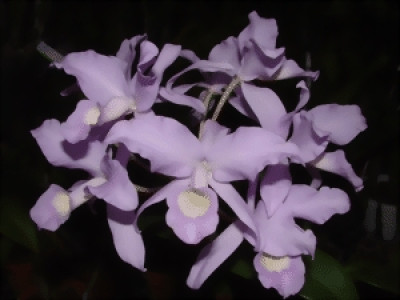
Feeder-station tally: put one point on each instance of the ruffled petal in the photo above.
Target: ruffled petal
(80, 122)
(268, 108)
(337, 163)
(279, 235)
(82, 155)
(285, 274)
(214, 254)
(314, 205)
(263, 32)
(118, 190)
(100, 77)
(341, 123)
(171, 148)
(310, 144)
(275, 187)
(193, 214)
(231, 197)
(52, 208)
(244, 153)
(127, 240)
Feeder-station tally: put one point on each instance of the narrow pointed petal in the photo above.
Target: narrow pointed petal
(100, 77)
(82, 155)
(52, 209)
(118, 190)
(317, 205)
(268, 108)
(342, 123)
(177, 95)
(212, 132)
(291, 69)
(171, 148)
(214, 254)
(287, 281)
(244, 153)
(172, 188)
(231, 197)
(80, 122)
(275, 187)
(127, 240)
(337, 163)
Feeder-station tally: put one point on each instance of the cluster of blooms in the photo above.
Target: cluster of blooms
(115, 123)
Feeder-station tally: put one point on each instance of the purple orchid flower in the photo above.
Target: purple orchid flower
(313, 130)
(238, 61)
(215, 160)
(110, 181)
(278, 241)
(107, 83)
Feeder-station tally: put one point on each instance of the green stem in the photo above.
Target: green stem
(207, 100)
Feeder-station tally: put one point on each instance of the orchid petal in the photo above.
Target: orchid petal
(193, 219)
(214, 254)
(100, 77)
(127, 51)
(316, 205)
(82, 155)
(337, 163)
(171, 148)
(342, 123)
(118, 190)
(268, 108)
(288, 281)
(279, 235)
(311, 145)
(127, 240)
(244, 153)
(231, 197)
(80, 122)
(261, 31)
(275, 187)
(52, 208)
(227, 52)
(291, 69)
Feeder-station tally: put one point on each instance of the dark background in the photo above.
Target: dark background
(354, 45)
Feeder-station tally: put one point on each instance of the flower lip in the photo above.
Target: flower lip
(194, 202)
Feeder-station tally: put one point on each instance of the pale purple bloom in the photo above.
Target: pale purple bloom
(252, 55)
(107, 83)
(214, 160)
(278, 240)
(110, 182)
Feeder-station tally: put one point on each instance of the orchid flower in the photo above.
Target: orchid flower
(279, 241)
(236, 62)
(110, 182)
(107, 83)
(215, 160)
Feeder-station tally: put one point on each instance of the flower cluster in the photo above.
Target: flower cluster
(115, 124)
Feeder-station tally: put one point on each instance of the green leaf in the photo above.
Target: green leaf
(379, 269)
(16, 224)
(244, 269)
(327, 279)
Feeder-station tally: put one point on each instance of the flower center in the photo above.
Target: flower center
(61, 204)
(274, 263)
(92, 116)
(117, 106)
(201, 175)
(193, 203)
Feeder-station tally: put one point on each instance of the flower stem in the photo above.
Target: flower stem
(225, 96)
